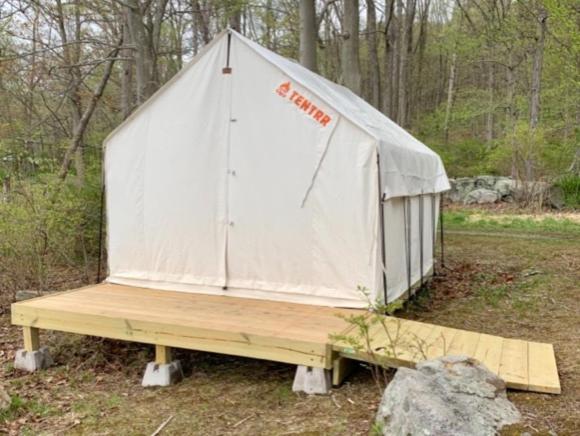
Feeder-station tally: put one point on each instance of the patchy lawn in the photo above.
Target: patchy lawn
(496, 281)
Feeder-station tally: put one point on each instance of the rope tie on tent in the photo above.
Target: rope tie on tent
(407, 219)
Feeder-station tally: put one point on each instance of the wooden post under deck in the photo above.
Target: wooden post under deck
(31, 340)
(341, 369)
(162, 354)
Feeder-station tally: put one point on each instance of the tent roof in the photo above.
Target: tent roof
(343, 100)
(408, 167)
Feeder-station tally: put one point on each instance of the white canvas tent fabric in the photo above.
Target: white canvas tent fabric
(266, 183)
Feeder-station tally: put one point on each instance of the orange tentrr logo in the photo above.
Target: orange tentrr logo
(283, 89)
(304, 104)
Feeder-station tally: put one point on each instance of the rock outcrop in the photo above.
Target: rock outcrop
(451, 395)
(492, 189)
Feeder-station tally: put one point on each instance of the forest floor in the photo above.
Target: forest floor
(520, 280)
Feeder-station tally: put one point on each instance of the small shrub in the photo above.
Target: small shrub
(45, 225)
(570, 185)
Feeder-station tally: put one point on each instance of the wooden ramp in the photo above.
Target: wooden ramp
(283, 332)
(394, 342)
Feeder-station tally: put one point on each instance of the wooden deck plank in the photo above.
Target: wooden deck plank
(176, 335)
(543, 373)
(513, 367)
(210, 312)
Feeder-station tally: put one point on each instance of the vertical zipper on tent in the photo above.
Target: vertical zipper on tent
(382, 219)
(228, 222)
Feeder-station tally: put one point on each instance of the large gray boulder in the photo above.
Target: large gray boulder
(486, 182)
(451, 395)
(482, 196)
(504, 186)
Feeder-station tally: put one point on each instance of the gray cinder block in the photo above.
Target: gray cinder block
(311, 380)
(33, 360)
(162, 374)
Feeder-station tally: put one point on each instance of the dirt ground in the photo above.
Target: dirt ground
(503, 284)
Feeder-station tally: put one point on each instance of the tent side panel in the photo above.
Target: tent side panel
(165, 182)
(404, 217)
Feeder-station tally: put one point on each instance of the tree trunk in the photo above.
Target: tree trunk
(88, 113)
(489, 121)
(234, 14)
(201, 22)
(450, 90)
(143, 52)
(71, 54)
(373, 56)
(351, 76)
(308, 34)
(538, 61)
(405, 46)
(418, 85)
(388, 84)
(396, 58)
(127, 73)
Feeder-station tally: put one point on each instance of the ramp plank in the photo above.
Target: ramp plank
(543, 374)
(488, 351)
(513, 367)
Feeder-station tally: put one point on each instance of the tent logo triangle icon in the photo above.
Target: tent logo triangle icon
(283, 89)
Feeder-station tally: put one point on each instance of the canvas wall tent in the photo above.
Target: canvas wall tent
(268, 181)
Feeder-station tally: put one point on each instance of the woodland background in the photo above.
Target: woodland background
(492, 85)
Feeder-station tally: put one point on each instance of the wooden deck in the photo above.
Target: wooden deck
(283, 332)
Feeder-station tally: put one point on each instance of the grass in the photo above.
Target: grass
(484, 220)
(494, 283)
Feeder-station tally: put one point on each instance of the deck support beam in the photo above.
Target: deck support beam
(162, 354)
(31, 338)
(341, 369)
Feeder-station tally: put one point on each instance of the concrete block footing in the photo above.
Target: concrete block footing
(33, 360)
(157, 374)
(312, 380)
